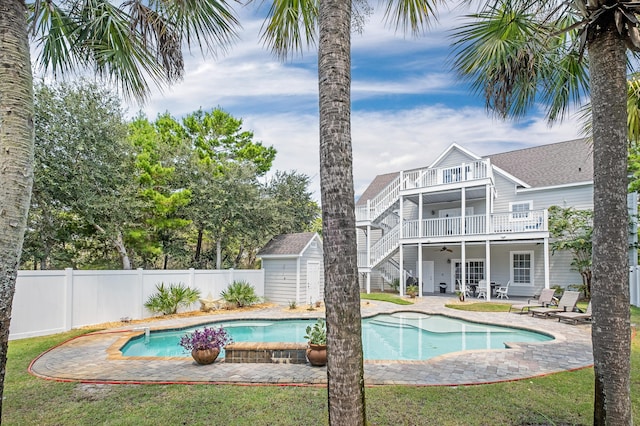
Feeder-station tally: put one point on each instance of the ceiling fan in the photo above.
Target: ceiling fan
(444, 248)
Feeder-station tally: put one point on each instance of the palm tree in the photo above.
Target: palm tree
(289, 26)
(521, 51)
(138, 40)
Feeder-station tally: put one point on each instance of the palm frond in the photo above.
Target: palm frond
(138, 40)
(412, 16)
(514, 54)
(290, 26)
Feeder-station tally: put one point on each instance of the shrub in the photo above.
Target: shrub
(167, 300)
(395, 284)
(208, 338)
(240, 293)
(293, 304)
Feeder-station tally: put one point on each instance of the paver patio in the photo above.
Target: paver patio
(90, 358)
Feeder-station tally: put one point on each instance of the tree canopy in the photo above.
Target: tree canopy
(171, 193)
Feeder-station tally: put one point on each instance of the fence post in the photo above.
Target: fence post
(68, 299)
(634, 285)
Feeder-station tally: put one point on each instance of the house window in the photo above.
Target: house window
(520, 210)
(474, 271)
(522, 268)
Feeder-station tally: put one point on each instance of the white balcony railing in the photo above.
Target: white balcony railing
(427, 177)
(499, 223)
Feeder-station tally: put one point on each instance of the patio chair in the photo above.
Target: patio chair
(545, 300)
(501, 292)
(481, 290)
(574, 317)
(567, 303)
(467, 289)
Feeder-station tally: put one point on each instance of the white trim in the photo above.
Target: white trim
(511, 177)
(451, 148)
(531, 268)
(562, 186)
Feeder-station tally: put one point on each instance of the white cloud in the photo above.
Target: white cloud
(278, 101)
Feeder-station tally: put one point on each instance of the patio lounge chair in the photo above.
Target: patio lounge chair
(574, 317)
(545, 300)
(567, 303)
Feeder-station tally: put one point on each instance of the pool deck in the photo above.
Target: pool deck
(94, 358)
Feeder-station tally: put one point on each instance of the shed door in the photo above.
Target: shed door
(313, 281)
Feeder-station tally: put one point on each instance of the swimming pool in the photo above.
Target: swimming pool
(409, 336)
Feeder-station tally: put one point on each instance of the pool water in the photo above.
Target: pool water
(398, 336)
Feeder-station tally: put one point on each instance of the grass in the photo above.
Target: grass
(558, 399)
(480, 306)
(385, 297)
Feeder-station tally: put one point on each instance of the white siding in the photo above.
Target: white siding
(454, 158)
(280, 280)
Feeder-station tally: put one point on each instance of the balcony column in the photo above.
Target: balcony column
(546, 262)
(488, 209)
(401, 225)
(463, 213)
(368, 258)
(420, 269)
(463, 266)
(487, 268)
(420, 213)
(401, 267)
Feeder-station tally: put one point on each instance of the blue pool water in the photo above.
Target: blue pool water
(398, 336)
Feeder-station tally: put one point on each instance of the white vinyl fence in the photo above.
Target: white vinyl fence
(634, 285)
(48, 302)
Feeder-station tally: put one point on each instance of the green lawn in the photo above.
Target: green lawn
(565, 398)
(385, 297)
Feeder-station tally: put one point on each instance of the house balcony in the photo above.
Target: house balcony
(436, 177)
(422, 180)
(498, 223)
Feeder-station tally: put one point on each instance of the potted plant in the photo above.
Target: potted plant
(317, 337)
(412, 291)
(205, 345)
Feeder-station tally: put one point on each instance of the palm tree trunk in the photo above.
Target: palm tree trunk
(16, 156)
(345, 370)
(611, 331)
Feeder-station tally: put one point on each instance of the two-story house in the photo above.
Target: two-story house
(467, 217)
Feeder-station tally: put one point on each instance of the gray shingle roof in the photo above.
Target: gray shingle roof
(379, 183)
(549, 165)
(287, 244)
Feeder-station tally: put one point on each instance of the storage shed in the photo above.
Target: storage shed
(293, 268)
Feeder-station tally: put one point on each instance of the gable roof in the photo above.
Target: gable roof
(288, 244)
(554, 164)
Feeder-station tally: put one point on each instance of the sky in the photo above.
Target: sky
(408, 105)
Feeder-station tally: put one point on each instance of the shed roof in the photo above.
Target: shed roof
(288, 244)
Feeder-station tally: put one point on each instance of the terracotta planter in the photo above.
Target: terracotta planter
(317, 355)
(205, 356)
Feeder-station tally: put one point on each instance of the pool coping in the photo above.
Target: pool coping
(91, 358)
